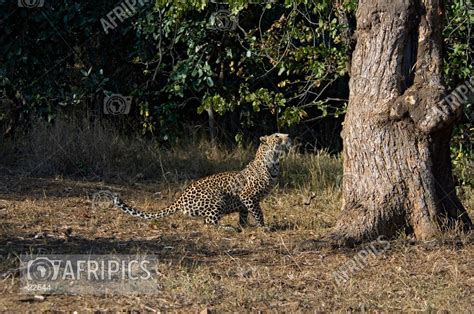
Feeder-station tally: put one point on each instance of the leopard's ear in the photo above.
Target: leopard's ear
(263, 139)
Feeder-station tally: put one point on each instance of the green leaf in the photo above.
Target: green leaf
(209, 81)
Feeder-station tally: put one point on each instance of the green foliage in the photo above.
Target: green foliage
(459, 68)
(259, 65)
(177, 60)
(234, 69)
(459, 65)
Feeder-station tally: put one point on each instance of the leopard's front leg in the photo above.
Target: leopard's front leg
(243, 217)
(254, 208)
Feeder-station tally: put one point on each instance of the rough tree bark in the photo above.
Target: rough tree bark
(397, 168)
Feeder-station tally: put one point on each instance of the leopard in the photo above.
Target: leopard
(217, 195)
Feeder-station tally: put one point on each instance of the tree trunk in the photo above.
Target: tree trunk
(397, 168)
(212, 127)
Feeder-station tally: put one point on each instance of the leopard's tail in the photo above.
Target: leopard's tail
(138, 213)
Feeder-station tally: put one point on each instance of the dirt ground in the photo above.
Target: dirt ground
(204, 268)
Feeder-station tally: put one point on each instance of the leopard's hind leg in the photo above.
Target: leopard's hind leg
(213, 215)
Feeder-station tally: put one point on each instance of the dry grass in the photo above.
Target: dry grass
(97, 151)
(200, 266)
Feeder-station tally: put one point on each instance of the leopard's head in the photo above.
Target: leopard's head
(279, 143)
